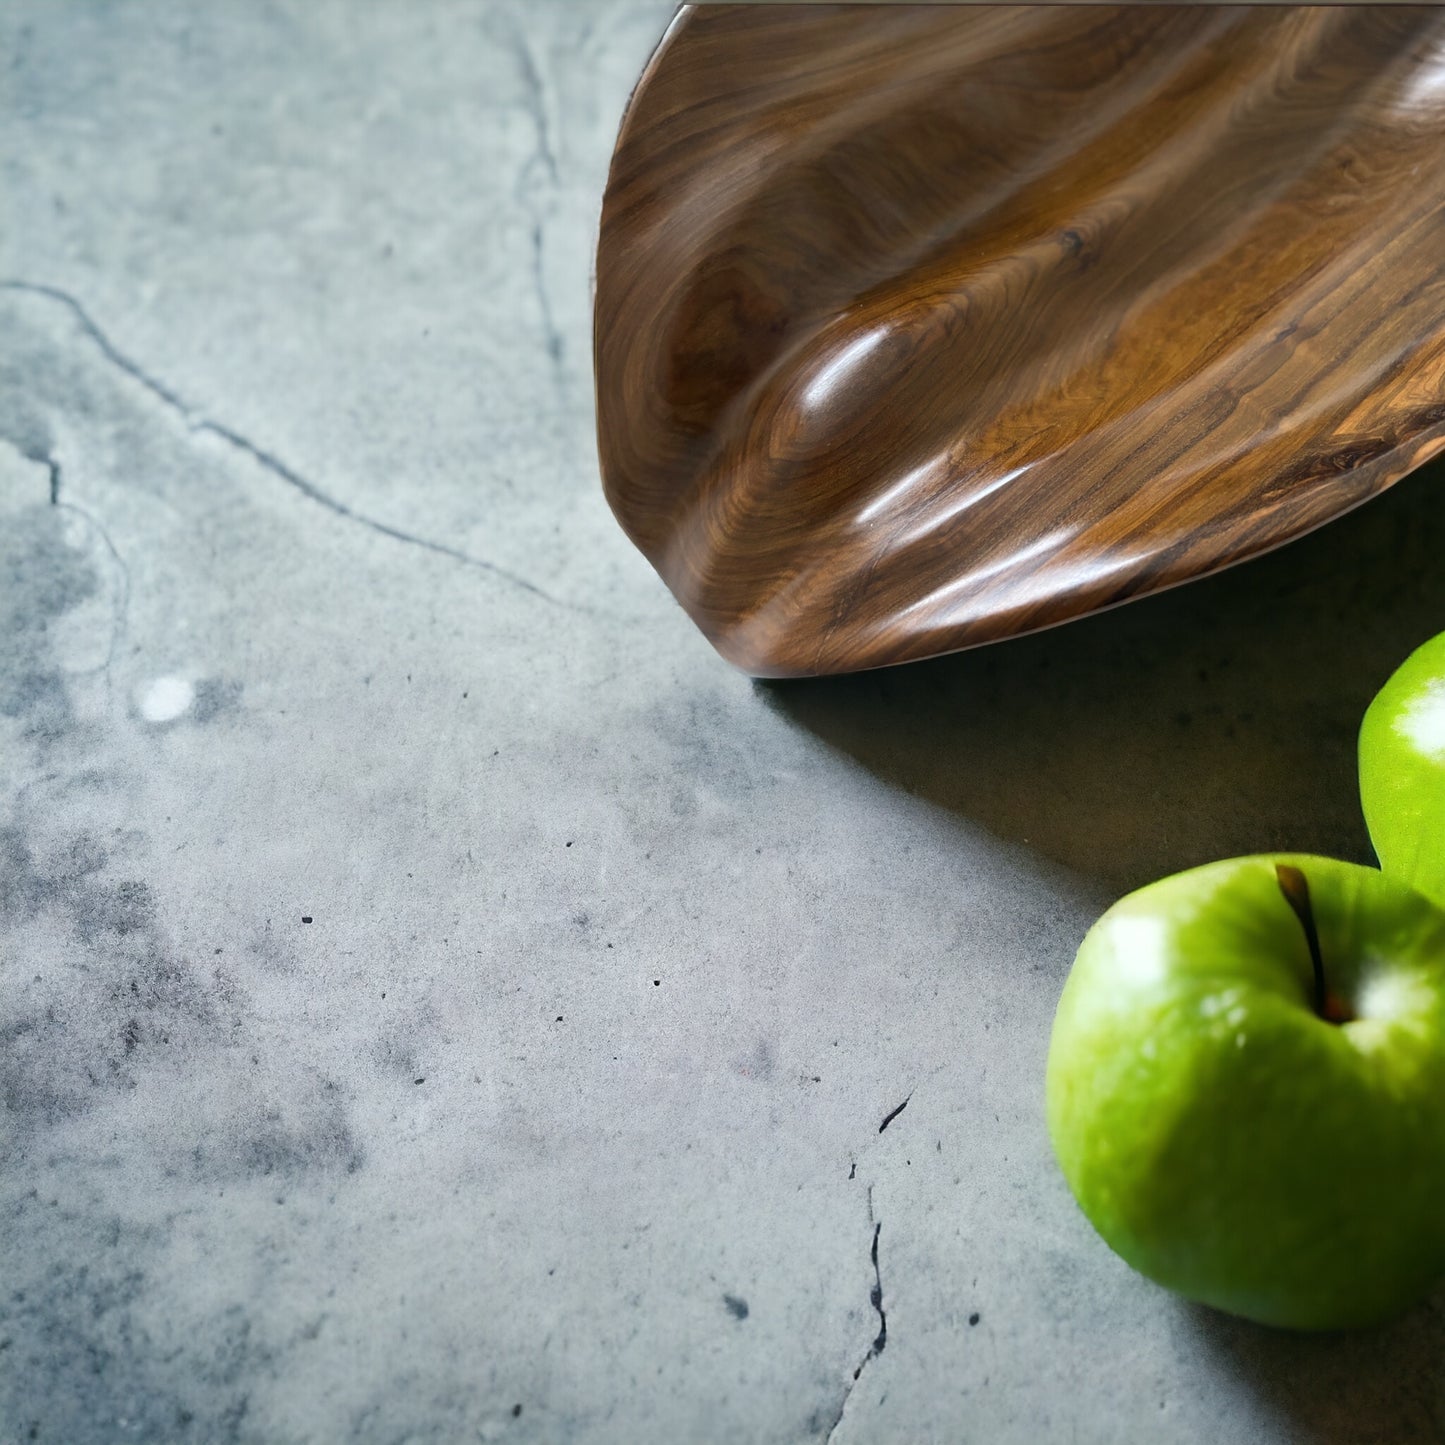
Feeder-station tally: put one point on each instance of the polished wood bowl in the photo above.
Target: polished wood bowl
(921, 327)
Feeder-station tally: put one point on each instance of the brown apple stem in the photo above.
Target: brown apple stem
(1296, 889)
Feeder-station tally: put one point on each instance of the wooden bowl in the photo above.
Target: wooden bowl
(921, 327)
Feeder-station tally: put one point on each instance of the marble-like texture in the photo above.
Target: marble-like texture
(439, 1000)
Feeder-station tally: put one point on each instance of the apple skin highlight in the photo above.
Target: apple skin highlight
(1221, 1136)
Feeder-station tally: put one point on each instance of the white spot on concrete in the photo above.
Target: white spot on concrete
(165, 698)
(1422, 724)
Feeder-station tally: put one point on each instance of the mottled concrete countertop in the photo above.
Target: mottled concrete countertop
(440, 1000)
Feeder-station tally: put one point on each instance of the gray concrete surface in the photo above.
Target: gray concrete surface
(441, 1001)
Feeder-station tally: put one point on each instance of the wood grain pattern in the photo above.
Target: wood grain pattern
(920, 327)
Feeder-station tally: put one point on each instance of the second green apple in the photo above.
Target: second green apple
(1402, 771)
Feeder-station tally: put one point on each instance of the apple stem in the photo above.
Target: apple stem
(1296, 889)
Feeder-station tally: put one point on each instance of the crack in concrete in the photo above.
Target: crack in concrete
(534, 102)
(120, 609)
(544, 301)
(875, 1295)
(263, 458)
(41, 458)
(890, 1117)
(880, 1340)
(107, 348)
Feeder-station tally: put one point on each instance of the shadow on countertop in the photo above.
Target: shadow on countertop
(1217, 719)
(1364, 1387)
(1213, 720)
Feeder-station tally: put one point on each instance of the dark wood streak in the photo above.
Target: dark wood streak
(919, 327)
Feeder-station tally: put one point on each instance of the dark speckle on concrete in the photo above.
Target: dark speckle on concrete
(737, 1307)
(893, 1114)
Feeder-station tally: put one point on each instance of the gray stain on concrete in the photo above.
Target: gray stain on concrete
(41, 578)
(98, 1005)
(84, 1027)
(89, 1361)
(216, 697)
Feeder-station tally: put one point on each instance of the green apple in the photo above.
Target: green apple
(1246, 1088)
(1402, 771)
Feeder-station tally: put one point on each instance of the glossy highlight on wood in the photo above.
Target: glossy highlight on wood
(921, 327)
